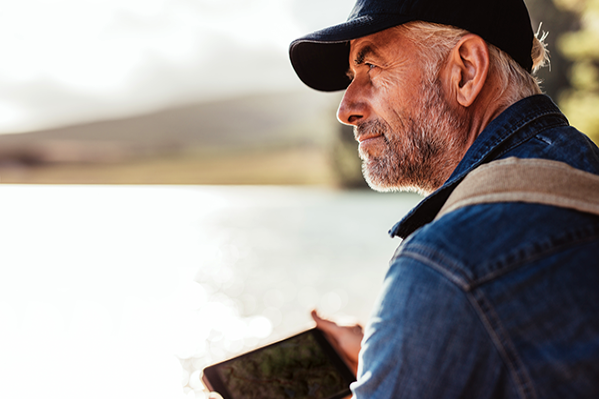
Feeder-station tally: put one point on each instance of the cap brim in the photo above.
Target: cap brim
(321, 59)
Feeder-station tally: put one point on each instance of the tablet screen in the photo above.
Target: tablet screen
(303, 366)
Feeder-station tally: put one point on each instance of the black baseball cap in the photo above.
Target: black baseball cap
(321, 59)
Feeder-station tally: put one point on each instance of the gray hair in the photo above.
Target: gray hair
(436, 41)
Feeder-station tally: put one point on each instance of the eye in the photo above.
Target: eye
(370, 66)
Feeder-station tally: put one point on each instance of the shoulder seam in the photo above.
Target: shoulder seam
(504, 345)
(485, 312)
(447, 268)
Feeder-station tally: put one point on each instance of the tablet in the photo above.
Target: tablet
(302, 366)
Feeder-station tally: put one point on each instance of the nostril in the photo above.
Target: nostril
(353, 119)
(352, 108)
(348, 114)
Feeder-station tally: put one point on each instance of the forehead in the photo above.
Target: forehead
(386, 45)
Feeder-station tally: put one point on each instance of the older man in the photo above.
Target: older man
(497, 299)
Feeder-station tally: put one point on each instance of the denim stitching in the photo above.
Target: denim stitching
(503, 344)
(451, 277)
(450, 267)
(545, 248)
(444, 264)
(508, 132)
(524, 139)
(460, 276)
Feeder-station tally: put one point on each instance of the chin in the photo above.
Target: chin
(387, 183)
(404, 188)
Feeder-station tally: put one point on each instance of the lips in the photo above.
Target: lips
(372, 145)
(367, 134)
(369, 130)
(367, 137)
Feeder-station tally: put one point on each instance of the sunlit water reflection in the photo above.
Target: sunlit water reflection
(114, 291)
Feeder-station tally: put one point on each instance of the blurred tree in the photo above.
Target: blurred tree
(556, 22)
(580, 101)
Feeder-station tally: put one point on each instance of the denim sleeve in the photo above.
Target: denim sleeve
(425, 340)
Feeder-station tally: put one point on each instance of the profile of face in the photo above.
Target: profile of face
(410, 136)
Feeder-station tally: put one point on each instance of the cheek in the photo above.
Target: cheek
(385, 83)
(386, 95)
(397, 89)
(394, 106)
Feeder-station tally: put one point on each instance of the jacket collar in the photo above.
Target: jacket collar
(512, 127)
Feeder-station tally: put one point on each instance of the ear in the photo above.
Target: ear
(468, 64)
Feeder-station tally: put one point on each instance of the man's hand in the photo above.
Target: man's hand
(347, 340)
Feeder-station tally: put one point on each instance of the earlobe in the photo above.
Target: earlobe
(469, 68)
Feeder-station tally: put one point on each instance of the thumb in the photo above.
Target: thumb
(323, 324)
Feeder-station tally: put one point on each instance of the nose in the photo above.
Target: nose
(353, 107)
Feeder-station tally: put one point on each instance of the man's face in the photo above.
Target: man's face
(410, 137)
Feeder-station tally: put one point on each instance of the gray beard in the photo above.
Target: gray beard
(421, 150)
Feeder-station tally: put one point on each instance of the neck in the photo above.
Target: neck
(491, 102)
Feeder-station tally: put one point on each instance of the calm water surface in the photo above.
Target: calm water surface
(129, 291)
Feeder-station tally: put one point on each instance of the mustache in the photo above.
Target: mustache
(374, 127)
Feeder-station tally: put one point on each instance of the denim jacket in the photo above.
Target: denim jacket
(492, 300)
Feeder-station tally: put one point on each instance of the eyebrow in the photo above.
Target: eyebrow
(365, 51)
(360, 57)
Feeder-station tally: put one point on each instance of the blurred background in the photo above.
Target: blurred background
(202, 92)
(173, 195)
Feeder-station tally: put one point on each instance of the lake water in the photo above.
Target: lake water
(129, 291)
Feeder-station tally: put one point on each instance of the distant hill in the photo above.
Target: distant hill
(277, 138)
(250, 122)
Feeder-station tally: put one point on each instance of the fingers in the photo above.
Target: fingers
(324, 323)
(345, 339)
(331, 326)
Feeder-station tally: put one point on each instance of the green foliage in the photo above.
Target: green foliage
(580, 102)
(556, 22)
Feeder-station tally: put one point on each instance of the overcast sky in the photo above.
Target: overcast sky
(65, 61)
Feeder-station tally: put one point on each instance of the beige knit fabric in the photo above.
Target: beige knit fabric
(527, 180)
